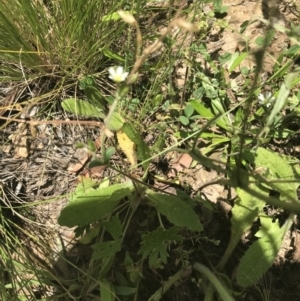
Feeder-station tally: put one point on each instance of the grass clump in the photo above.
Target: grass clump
(59, 39)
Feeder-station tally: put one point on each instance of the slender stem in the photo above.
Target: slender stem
(222, 290)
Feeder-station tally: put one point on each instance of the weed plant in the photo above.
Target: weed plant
(72, 42)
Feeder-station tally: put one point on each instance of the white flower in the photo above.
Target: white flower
(117, 74)
(266, 99)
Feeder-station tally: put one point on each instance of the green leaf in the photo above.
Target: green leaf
(109, 152)
(91, 146)
(154, 245)
(106, 249)
(90, 89)
(177, 211)
(260, 41)
(116, 122)
(245, 211)
(207, 113)
(284, 91)
(260, 256)
(89, 235)
(112, 55)
(86, 185)
(188, 110)
(124, 290)
(184, 120)
(114, 227)
(236, 61)
(97, 162)
(275, 167)
(81, 108)
(107, 292)
(92, 205)
(217, 4)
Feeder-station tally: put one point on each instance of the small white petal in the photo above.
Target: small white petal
(261, 97)
(117, 74)
(119, 71)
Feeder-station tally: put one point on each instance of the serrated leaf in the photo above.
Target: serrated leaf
(143, 150)
(154, 245)
(86, 185)
(81, 108)
(176, 211)
(260, 257)
(277, 168)
(106, 249)
(114, 227)
(89, 235)
(88, 207)
(127, 146)
(116, 122)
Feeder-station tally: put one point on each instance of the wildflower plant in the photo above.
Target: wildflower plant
(106, 199)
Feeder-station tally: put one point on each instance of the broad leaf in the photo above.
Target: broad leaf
(272, 166)
(177, 211)
(245, 211)
(88, 207)
(81, 108)
(116, 122)
(261, 255)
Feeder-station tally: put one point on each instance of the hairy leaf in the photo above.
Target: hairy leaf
(261, 255)
(88, 207)
(81, 108)
(116, 122)
(273, 166)
(245, 211)
(177, 211)
(155, 244)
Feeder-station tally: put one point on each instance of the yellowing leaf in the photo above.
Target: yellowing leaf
(127, 146)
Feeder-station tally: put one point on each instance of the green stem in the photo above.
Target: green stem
(183, 272)
(223, 292)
